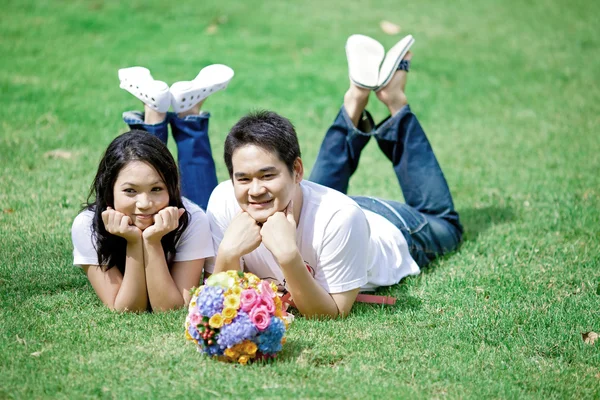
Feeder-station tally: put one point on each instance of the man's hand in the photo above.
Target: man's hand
(165, 221)
(279, 235)
(118, 224)
(241, 237)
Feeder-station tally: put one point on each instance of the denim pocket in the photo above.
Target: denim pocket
(404, 217)
(413, 220)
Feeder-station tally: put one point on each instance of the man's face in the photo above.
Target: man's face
(262, 182)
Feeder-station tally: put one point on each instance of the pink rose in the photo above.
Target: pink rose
(265, 289)
(268, 304)
(260, 318)
(249, 299)
(266, 295)
(195, 319)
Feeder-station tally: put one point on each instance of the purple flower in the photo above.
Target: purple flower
(269, 341)
(194, 332)
(210, 301)
(240, 329)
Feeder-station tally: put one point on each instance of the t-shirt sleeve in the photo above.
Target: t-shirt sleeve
(84, 251)
(195, 242)
(344, 256)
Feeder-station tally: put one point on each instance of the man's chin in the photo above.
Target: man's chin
(260, 216)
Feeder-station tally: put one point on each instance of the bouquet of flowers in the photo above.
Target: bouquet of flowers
(236, 317)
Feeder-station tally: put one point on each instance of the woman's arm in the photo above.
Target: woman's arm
(168, 290)
(118, 292)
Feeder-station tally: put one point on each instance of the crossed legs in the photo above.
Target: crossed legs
(427, 219)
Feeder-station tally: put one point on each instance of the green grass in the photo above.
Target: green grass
(509, 94)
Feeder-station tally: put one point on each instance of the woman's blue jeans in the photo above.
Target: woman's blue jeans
(428, 220)
(196, 164)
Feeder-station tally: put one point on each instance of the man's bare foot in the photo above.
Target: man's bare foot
(355, 101)
(195, 110)
(152, 117)
(393, 94)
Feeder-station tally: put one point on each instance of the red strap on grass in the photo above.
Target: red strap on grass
(286, 299)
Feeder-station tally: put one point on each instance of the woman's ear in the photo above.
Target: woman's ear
(298, 170)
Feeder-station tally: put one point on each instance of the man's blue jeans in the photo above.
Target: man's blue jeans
(428, 220)
(196, 164)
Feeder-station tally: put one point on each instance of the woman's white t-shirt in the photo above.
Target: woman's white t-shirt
(195, 242)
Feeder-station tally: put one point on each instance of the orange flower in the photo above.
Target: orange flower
(249, 347)
(231, 353)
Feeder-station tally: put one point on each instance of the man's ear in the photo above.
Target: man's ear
(298, 170)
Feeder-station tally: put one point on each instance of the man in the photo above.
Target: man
(308, 236)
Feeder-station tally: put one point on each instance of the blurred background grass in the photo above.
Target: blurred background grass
(508, 93)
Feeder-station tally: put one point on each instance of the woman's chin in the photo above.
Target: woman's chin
(142, 225)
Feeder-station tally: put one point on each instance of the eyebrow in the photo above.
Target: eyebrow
(262, 170)
(133, 184)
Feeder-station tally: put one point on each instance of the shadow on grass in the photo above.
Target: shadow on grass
(475, 221)
(478, 220)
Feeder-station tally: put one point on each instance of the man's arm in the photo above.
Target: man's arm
(312, 300)
(241, 237)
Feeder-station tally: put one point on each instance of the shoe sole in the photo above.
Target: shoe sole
(211, 79)
(392, 61)
(139, 82)
(364, 56)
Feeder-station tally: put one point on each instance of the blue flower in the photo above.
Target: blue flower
(269, 341)
(240, 329)
(213, 350)
(210, 301)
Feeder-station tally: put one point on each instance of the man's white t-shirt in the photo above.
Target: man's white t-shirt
(343, 246)
(194, 243)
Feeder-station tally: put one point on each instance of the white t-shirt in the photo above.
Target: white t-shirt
(195, 242)
(342, 245)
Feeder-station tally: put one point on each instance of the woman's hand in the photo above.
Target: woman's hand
(165, 221)
(119, 224)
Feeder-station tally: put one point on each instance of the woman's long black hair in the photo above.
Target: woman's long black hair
(135, 145)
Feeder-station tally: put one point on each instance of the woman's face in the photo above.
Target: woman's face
(140, 193)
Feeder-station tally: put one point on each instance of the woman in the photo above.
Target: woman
(141, 244)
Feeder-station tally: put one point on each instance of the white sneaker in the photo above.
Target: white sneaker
(211, 79)
(139, 82)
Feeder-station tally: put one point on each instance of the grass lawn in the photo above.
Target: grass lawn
(509, 93)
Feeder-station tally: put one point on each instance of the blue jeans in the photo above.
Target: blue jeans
(196, 164)
(428, 220)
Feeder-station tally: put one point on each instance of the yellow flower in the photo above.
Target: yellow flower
(253, 280)
(188, 336)
(216, 321)
(249, 347)
(243, 360)
(232, 301)
(221, 279)
(232, 273)
(236, 291)
(229, 313)
(227, 321)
